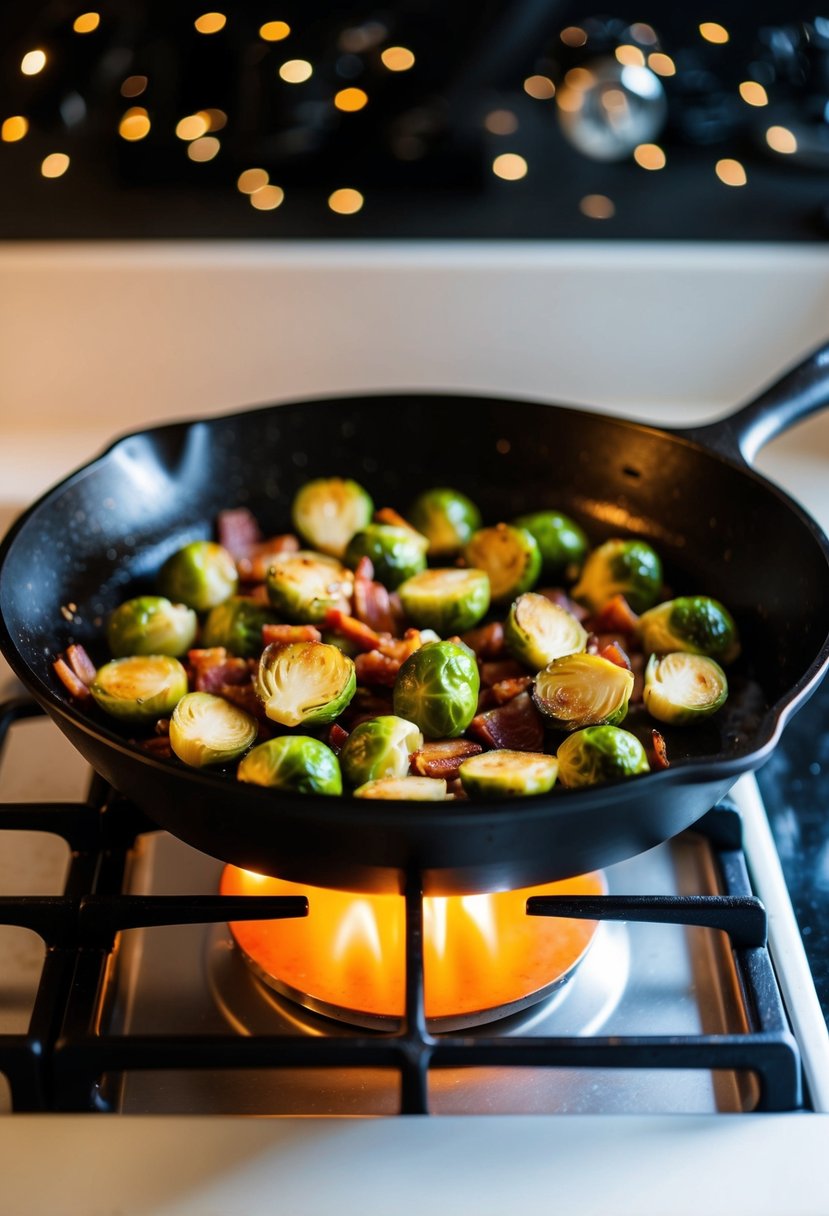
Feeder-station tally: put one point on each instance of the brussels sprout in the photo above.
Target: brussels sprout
(327, 512)
(446, 518)
(620, 567)
(206, 729)
(538, 631)
(404, 789)
(304, 682)
(396, 553)
(303, 586)
(201, 575)
(600, 753)
(150, 624)
(379, 748)
(140, 688)
(583, 690)
(448, 601)
(437, 689)
(237, 625)
(502, 773)
(682, 687)
(294, 763)
(510, 557)
(560, 540)
(693, 623)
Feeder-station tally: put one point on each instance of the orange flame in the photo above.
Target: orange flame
(480, 951)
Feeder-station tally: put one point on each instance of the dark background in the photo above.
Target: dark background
(419, 152)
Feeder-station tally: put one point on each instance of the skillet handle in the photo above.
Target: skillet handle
(801, 391)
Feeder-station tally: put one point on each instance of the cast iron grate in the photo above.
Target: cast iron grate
(58, 1064)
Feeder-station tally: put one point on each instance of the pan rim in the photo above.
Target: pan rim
(696, 770)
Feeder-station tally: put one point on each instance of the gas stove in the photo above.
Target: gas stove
(689, 1033)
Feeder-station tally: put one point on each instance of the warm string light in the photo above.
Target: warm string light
(296, 71)
(397, 58)
(351, 100)
(573, 36)
(133, 86)
(86, 23)
(649, 156)
(539, 87)
(630, 56)
(203, 149)
(210, 23)
(193, 126)
(501, 122)
(753, 94)
(643, 33)
(597, 207)
(14, 129)
(134, 125)
(267, 198)
(251, 180)
(345, 201)
(509, 166)
(712, 31)
(730, 172)
(55, 164)
(781, 139)
(33, 62)
(662, 64)
(274, 31)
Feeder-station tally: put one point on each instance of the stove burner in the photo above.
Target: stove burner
(484, 958)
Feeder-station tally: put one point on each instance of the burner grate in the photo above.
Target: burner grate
(59, 1063)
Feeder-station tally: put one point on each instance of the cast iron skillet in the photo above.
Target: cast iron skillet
(722, 529)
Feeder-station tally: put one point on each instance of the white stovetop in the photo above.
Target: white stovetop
(99, 339)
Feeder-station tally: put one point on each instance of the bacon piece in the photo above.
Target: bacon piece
(285, 634)
(614, 653)
(243, 695)
(211, 668)
(401, 648)
(159, 746)
(81, 664)
(637, 666)
(502, 669)
(505, 690)
(455, 791)
(443, 758)
(616, 616)
(349, 627)
(336, 737)
(258, 592)
(364, 570)
(162, 726)
(376, 668)
(371, 599)
(659, 757)
(74, 686)
(238, 531)
(516, 726)
(487, 640)
(558, 596)
(252, 567)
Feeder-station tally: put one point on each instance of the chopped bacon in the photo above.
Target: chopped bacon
(505, 690)
(371, 599)
(252, 567)
(364, 570)
(487, 640)
(212, 668)
(401, 648)
(516, 725)
(659, 758)
(503, 669)
(443, 758)
(243, 695)
(336, 737)
(238, 531)
(455, 791)
(614, 653)
(366, 703)
(81, 664)
(162, 726)
(557, 596)
(159, 746)
(388, 515)
(616, 616)
(258, 592)
(637, 665)
(286, 634)
(349, 627)
(75, 687)
(376, 668)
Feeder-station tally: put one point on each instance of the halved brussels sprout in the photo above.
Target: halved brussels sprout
(538, 631)
(379, 748)
(150, 624)
(502, 774)
(303, 586)
(437, 689)
(294, 763)
(694, 623)
(201, 575)
(328, 511)
(304, 682)
(682, 687)
(206, 729)
(404, 789)
(583, 690)
(508, 555)
(396, 553)
(620, 567)
(446, 518)
(237, 625)
(140, 688)
(560, 540)
(600, 753)
(448, 601)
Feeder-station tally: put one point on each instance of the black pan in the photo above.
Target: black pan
(722, 529)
